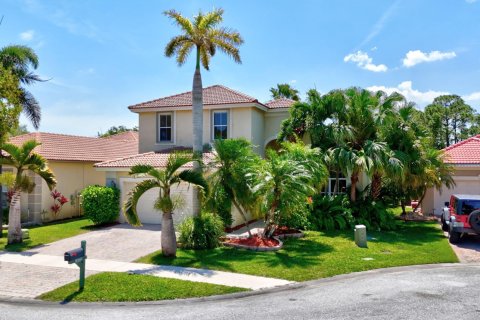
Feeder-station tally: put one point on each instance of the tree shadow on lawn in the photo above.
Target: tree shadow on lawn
(414, 233)
(301, 252)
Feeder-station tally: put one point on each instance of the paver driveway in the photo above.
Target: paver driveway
(121, 242)
(468, 249)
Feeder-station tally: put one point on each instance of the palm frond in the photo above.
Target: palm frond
(48, 176)
(184, 23)
(175, 161)
(205, 58)
(175, 44)
(229, 49)
(195, 178)
(184, 52)
(140, 169)
(130, 205)
(211, 19)
(30, 107)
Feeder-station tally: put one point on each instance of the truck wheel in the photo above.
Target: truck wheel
(444, 224)
(454, 236)
(474, 220)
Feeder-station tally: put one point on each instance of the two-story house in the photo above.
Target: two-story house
(165, 124)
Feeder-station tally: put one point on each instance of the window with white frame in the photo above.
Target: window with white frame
(332, 181)
(165, 127)
(220, 125)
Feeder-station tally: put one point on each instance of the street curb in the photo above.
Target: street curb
(239, 295)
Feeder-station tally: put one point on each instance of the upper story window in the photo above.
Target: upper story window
(165, 127)
(220, 125)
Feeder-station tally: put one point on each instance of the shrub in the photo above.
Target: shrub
(297, 218)
(202, 232)
(331, 213)
(101, 204)
(373, 214)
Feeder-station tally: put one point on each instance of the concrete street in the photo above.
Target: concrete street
(447, 291)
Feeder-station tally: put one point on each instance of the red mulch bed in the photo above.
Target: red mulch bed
(255, 241)
(285, 230)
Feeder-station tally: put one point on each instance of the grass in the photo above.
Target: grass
(116, 287)
(48, 233)
(324, 254)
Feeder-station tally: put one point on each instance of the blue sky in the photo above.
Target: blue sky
(102, 56)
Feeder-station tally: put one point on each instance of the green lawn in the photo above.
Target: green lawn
(49, 233)
(115, 287)
(325, 254)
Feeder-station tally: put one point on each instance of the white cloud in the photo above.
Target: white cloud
(405, 88)
(470, 1)
(474, 96)
(27, 35)
(414, 57)
(364, 61)
(293, 81)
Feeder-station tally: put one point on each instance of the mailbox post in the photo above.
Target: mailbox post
(78, 256)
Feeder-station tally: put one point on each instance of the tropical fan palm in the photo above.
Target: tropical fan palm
(164, 179)
(23, 159)
(204, 35)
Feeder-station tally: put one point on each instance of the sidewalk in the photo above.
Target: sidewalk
(59, 268)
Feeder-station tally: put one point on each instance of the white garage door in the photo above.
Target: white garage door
(463, 186)
(148, 214)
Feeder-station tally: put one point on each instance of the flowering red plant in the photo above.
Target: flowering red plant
(58, 201)
(62, 200)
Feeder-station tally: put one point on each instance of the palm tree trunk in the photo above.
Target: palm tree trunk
(14, 222)
(420, 201)
(270, 223)
(243, 216)
(337, 182)
(168, 237)
(353, 186)
(376, 185)
(197, 122)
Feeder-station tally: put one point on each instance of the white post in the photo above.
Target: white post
(361, 236)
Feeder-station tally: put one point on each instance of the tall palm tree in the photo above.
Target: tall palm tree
(164, 179)
(23, 159)
(204, 35)
(20, 60)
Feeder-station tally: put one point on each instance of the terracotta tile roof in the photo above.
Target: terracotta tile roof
(125, 136)
(155, 159)
(464, 152)
(62, 147)
(213, 95)
(280, 103)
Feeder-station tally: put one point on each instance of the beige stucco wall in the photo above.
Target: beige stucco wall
(72, 178)
(273, 123)
(244, 122)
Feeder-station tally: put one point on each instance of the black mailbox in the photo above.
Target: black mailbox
(74, 255)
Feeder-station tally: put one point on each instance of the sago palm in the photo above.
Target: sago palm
(23, 159)
(164, 179)
(205, 36)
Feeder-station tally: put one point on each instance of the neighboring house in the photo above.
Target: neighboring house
(165, 124)
(71, 158)
(465, 157)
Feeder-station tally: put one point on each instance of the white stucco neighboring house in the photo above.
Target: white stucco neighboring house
(465, 158)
